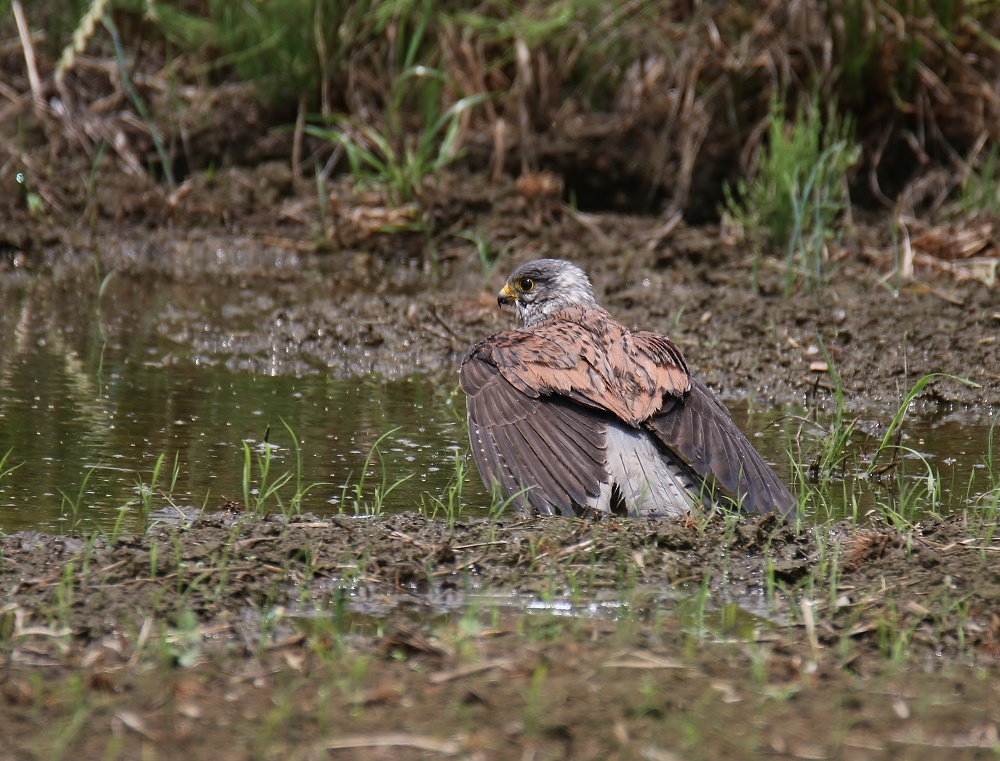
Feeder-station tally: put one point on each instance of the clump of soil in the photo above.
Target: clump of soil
(402, 636)
(382, 561)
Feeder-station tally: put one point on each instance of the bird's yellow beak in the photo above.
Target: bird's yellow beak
(506, 297)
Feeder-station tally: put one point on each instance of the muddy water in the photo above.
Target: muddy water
(84, 433)
(61, 429)
(96, 389)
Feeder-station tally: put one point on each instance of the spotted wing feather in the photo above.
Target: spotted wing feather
(587, 356)
(540, 401)
(547, 454)
(699, 428)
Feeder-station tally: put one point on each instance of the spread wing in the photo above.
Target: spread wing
(546, 453)
(540, 401)
(700, 430)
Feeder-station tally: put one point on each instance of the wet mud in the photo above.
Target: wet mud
(404, 637)
(348, 298)
(230, 637)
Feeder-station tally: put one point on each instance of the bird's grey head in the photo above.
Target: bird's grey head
(540, 288)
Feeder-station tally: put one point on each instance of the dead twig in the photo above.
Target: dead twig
(37, 96)
(395, 740)
(440, 677)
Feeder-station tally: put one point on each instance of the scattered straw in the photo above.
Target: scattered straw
(81, 35)
(35, 81)
(395, 740)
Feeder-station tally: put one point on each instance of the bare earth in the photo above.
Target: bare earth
(401, 637)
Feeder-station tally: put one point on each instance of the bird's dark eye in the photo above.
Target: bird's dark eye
(526, 285)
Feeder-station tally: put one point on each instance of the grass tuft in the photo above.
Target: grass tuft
(353, 496)
(270, 488)
(799, 189)
(395, 159)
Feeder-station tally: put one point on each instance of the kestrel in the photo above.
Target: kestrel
(573, 413)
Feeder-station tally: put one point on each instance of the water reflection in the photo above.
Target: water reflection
(89, 401)
(60, 428)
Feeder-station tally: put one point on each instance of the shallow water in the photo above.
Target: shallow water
(91, 398)
(59, 430)
(93, 393)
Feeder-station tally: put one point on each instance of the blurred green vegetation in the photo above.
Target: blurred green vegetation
(799, 188)
(580, 49)
(919, 80)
